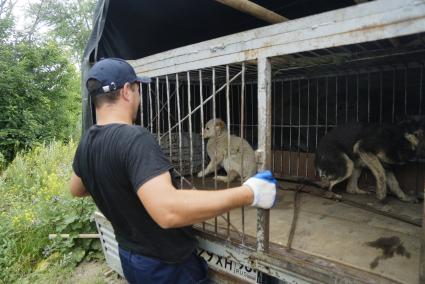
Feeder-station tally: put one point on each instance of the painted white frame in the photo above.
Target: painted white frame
(370, 21)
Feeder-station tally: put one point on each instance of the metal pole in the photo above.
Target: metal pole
(150, 106)
(141, 105)
(158, 130)
(393, 105)
(180, 128)
(169, 117)
(380, 97)
(326, 103)
(422, 252)
(201, 96)
(357, 98)
(215, 146)
(228, 134)
(264, 144)
(346, 98)
(308, 127)
(290, 128)
(189, 107)
(281, 132)
(242, 137)
(420, 91)
(299, 127)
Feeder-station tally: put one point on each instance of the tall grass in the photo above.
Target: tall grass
(35, 202)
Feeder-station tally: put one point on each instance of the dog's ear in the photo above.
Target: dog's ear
(413, 140)
(219, 124)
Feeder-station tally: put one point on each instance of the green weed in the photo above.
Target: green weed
(35, 203)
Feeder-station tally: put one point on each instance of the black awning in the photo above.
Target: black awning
(132, 29)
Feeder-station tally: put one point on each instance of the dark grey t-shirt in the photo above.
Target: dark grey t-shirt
(113, 161)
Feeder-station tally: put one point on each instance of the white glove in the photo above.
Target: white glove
(263, 185)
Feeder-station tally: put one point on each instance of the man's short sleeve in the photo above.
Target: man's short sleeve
(75, 163)
(145, 160)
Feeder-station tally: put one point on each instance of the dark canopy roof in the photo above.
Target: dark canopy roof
(133, 29)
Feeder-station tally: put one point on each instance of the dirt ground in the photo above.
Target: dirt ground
(95, 272)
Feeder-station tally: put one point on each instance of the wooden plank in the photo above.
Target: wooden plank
(370, 21)
(79, 236)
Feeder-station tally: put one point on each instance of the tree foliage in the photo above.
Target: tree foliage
(39, 89)
(69, 22)
(40, 105)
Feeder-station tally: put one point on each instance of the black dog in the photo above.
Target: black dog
(344, 151)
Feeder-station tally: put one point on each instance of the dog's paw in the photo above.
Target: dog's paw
(200, 174)
(380, 195)
(220, 178)
(409, 199)
(357, 191)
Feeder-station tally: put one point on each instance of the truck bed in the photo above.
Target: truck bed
(356, 236)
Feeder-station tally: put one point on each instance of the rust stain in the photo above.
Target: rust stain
(389, 246)
(250, 54)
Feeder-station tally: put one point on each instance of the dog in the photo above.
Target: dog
(344, 151)
(240, 162)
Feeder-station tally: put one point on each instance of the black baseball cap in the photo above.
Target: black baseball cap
(112, 74)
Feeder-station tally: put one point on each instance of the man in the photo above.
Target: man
(121, 166)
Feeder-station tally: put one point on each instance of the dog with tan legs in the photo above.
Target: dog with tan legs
(241, 160)
(344, 151)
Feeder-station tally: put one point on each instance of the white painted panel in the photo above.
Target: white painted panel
(371, 21)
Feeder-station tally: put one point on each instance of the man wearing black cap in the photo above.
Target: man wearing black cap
(121, 166)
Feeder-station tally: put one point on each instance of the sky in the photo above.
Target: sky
(18, 13)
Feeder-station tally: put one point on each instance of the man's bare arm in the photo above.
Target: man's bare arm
(77, 187)
(172, 208)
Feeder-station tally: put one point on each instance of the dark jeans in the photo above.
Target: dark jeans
(142, 269)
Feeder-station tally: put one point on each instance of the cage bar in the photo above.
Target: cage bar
(264, 143)
(169, 118)
(189, 106)
(179, 126)
(158, 116)
(228, 136)
(215, 146)
(150, 107)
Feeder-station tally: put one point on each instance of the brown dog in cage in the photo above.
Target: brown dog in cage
(344, 151)
(240, 162)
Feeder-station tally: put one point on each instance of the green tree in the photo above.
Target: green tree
(69, 22)
(39, 96)
(6, 19)
(39, 90)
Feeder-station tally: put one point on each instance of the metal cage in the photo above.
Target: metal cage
(281, 88)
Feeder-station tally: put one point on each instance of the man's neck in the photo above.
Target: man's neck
(107, 115)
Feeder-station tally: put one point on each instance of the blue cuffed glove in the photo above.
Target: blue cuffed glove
(263, 185)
